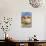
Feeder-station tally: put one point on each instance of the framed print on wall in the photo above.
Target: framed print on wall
(26, 19)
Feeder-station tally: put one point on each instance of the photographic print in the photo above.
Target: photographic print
(26, 19)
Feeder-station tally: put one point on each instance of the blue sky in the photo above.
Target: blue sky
(26, 13)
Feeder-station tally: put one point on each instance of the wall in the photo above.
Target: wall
(13, 8)
(45, 28)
